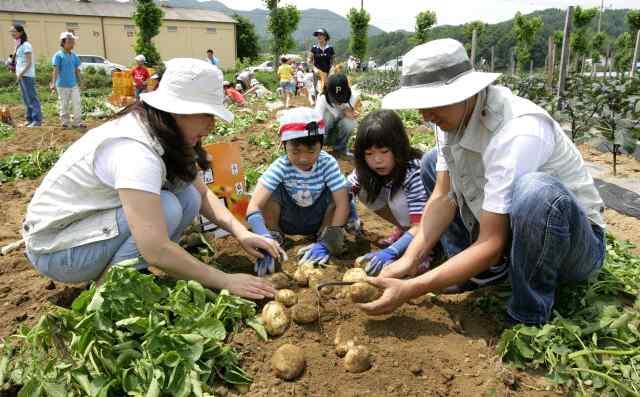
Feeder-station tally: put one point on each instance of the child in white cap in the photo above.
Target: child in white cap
(140, 75)
(302, 193)
(65, 80)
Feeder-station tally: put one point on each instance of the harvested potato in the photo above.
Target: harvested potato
(301, 275)
(275, 318)
(315, 277)
(304, 314)
(288, 362)
(354, 274)
(287, 297)
(357, 359)
(363, 292)
(344, 347)
(279, 280)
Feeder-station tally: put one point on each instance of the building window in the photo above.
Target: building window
(211, 30)
(172, 29)
(129, 27)
(72, 25)
(130, 33)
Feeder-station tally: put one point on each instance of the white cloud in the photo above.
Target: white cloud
(400, 14)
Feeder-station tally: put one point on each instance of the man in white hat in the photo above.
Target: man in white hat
(509, 192)
(140, 75)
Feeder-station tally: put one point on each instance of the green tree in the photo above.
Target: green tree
(623, 52)
(424, 21)
(599, 46)
(282, 22)
(246, 39)
(558, 36)
(359, 21)
(633, 19)
(581, 36)
(525, 29)
(468, 29)
(148, 18)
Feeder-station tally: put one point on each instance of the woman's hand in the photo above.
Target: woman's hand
(253, 243)
(399, 269)
(396, 292)
(350, 113)
(248, 286)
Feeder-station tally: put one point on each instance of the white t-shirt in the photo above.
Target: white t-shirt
(522, 146)
(337, 110)
(125, 163)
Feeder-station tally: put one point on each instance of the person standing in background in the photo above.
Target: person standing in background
(321, 57)
(212, 59)
(285, 73)
(140, 75)
(26, 76)
(65, 80)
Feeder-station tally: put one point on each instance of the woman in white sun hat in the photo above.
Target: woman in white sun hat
(509, 193)
(129, 188)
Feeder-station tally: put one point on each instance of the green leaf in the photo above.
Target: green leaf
(257, 325)
(211, 328)
(32, 389)
(524, 349)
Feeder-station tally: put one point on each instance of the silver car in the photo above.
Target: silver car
(98, 62)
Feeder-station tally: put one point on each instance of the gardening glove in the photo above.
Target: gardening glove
(316, 254)
(266, 264)
(376, 261)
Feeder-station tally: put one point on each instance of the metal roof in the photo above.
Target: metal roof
(106, 9)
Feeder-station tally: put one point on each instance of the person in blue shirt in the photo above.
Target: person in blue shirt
(65, 80)
(26, 76)
(301, 193)
(212, 58)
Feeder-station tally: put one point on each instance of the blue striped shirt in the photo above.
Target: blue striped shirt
(304, 186)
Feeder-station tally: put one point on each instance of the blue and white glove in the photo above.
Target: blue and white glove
(376, 261)
(266, 264)
(316, 254)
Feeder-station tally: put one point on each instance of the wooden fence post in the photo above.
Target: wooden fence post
(564, 58)
(493, 58)
(474, 47)
(636, 54)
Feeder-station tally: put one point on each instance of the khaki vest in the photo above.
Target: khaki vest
(496, 106)
(72, 207)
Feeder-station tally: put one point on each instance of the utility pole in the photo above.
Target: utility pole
(493, 58)
(600, 16)
(362, 5)
(606, 61)
(564, 57)
(551, 60)
(636, 54)
(474, 44)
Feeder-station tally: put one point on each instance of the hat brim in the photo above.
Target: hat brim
(179, 106)
(436, 95)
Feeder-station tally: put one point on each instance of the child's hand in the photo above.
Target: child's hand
(316, 253)
(376, 261)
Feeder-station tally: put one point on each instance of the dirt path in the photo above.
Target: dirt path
(440, 346)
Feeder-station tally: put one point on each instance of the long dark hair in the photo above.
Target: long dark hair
(23, 33)
(329, 90)
(180, 159)
(383, 129)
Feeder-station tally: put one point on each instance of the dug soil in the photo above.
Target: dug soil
(433, 346)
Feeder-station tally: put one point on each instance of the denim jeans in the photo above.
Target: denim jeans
(338, 131)
(30, 99)
(552, 242)
(87, 262)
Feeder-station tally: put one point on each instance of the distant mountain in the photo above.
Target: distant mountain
(310, 20)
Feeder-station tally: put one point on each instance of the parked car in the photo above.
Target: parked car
(266, 66)
(393, 64)
(98, 62)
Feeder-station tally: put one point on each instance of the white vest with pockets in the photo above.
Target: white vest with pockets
(72, 207)
(463, 156)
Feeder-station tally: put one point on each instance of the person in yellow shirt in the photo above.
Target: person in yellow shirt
(287, 85)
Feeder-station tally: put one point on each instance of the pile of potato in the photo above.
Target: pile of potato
(289, 361)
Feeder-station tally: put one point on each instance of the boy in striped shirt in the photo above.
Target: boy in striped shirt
(301, 193)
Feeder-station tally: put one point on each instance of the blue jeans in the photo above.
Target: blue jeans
(338, 131)
(301, 221)
(552, 242)
(30, 99)
(87, 262)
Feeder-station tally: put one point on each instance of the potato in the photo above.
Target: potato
(354, 274)
(279, 280)
(288, 362)
(301, 275)
(287, 297)
(275, 318)
(315, 277)
(357, 359)
(304, 314)
(344, 347)
(363, 292)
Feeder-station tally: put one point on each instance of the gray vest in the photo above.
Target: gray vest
(72, 207)
(463, 153)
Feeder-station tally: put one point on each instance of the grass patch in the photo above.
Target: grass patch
(28, 165)
(6, 131)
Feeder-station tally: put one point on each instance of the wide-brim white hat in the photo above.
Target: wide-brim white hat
(434, 74)
(190, 86)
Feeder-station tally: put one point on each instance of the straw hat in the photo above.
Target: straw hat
(190, 86)
(434, 74)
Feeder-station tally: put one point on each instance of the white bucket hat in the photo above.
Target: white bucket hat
(300, 123)
(67, 35)
(434, 74)
(190, 86)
